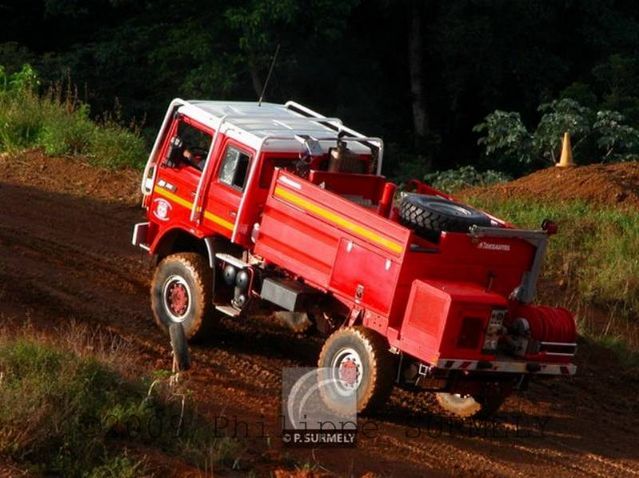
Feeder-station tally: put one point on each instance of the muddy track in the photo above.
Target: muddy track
(66, 257)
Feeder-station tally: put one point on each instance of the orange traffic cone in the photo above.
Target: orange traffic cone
(566, 153)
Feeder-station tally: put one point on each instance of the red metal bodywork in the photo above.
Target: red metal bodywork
(416, 293)
(332, 231)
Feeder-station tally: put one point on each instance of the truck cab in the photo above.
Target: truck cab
(250, 203)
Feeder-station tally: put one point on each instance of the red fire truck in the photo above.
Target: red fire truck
(257, 202)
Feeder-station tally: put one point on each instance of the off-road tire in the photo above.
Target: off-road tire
(378, 367)
(195, 275)
(430, 215)
(482, 405)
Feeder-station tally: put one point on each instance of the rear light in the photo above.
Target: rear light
(549, 226)
(494, 331)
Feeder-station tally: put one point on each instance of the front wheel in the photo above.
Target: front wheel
(181, 293)
(355, 364)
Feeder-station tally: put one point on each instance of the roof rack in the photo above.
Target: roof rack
(378, 149)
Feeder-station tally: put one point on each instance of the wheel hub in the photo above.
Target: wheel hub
(177, 298)
(348, 372)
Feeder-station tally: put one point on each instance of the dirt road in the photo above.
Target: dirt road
(65, 254)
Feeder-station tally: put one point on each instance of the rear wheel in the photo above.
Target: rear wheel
(356, 364)
(482, 404)
(181, 293)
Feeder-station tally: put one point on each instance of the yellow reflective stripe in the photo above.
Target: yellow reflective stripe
(173, 197)
(339, 220)
(218, 220)
(187, 204)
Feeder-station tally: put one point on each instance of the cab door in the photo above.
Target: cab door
(228, 186)
(184, 155)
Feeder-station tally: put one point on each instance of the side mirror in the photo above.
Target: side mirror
(174, 152)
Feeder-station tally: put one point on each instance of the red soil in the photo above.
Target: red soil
(606, 184)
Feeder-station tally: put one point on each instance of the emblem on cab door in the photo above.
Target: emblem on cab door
(161, 209)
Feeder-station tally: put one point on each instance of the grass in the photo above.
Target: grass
(60, 124)
(75, 411)
(593, 261)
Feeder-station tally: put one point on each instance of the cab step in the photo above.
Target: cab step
(229, 259)
(228, 310)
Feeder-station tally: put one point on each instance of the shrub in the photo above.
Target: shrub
(113, 146)
(467, 176)
(616, 140)
(61, 125)
(596, 136)
(64, 133)
(73, 414)
(507, 143)
(558, 117)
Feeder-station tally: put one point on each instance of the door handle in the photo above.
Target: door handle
(233, 213)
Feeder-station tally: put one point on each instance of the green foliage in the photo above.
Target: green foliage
(618, 78)
(616, 140)
(467, 176)
(113, 146)
(505, 139)
(626, 354)
(336, 57)
(53, 395)
(24, 81)
(558, 117)
(73, 415)
(580, 92)
(596, 137)
(596, 252)
(61, 125)
(66, 133)
(118, 467)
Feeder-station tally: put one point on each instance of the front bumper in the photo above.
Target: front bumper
(140, 231)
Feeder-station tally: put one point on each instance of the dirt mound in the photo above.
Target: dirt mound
(70, 176)
(607, 184)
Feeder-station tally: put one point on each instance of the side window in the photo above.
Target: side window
(195, 145)
(234, 167)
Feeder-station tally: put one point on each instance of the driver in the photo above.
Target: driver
(197, 159)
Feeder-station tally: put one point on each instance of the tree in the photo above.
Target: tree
(506, 141)
(509, 146)
(416, 74)
(618, 141)
(560, 116)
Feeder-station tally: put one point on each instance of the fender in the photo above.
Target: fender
(175, 238)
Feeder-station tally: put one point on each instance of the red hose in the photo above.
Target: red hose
(549, 324)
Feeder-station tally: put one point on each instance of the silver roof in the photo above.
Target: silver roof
(254, 122)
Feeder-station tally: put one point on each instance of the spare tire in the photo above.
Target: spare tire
(430, 215)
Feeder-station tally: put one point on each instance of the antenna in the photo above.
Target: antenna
(268, 77)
